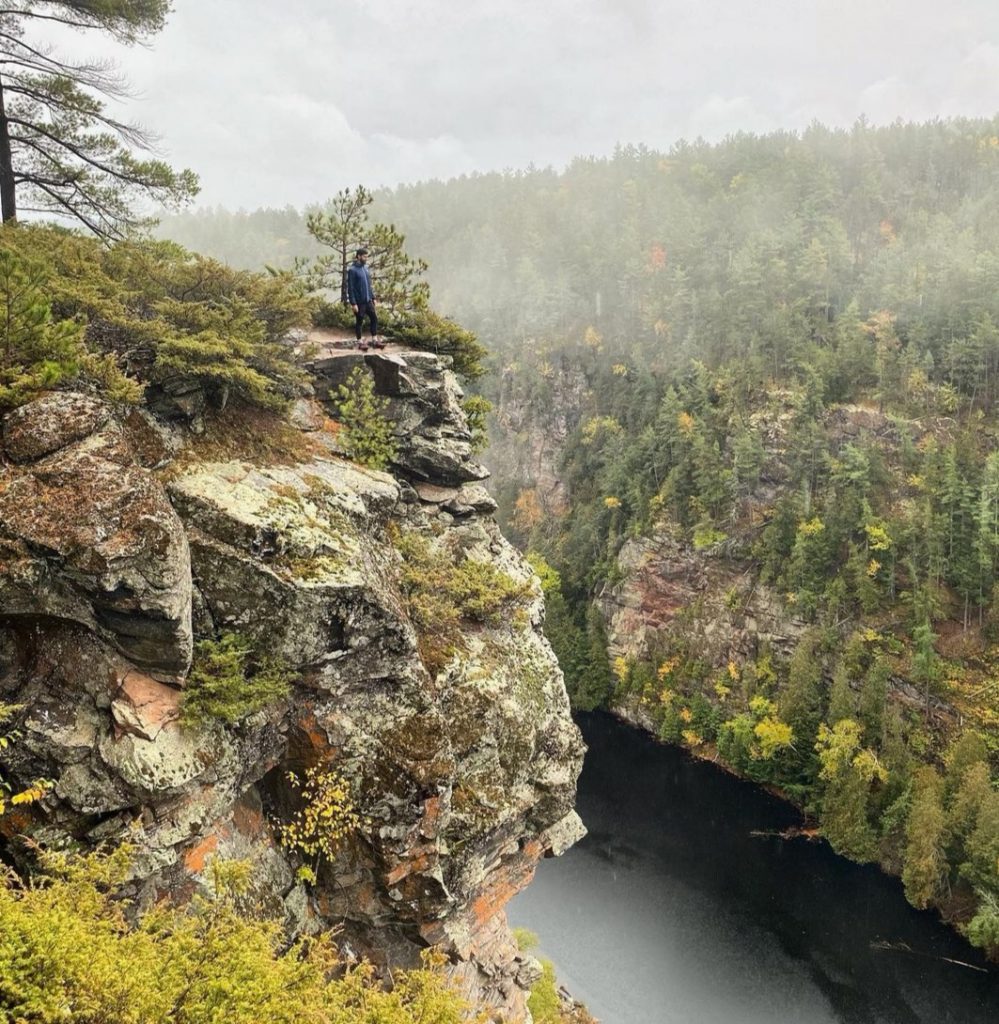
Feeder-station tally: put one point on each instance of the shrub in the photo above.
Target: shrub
(68, 955)
(227, 683)
(477, 409)
(441, 593)
(327, 817)
(37, 789)
(367, 432)
(544, 1002)
(163, 313)
(36, 352)
(427, 330)
(983, 929)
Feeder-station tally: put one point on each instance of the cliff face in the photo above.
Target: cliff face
(120, 549)
(530, 434)
(713, 600)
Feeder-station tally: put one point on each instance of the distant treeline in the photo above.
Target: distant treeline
(747, 248)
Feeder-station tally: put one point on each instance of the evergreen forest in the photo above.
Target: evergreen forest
(774, 359)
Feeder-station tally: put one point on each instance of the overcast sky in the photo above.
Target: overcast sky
(287, 101)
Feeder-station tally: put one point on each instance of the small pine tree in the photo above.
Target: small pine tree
(227, 683)
(367, 432)
(841, 700)
(594, 680)
(35, 352)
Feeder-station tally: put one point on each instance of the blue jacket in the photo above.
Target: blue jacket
(359, 284)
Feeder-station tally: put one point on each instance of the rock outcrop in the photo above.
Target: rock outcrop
(88, 534)
(723, 611)
(465, 773)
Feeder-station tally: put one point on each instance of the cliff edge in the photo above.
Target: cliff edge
(126, 543)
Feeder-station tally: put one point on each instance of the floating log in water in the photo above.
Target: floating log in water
(795, 832)
(904, 947)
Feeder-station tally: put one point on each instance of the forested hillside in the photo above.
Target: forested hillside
(777, 358)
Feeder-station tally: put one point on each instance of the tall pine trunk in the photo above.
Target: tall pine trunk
(8, 197)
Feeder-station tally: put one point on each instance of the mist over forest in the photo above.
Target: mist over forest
(358, 556)
(776, 359)
(747, 247)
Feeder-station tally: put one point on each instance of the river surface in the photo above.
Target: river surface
(671, 912)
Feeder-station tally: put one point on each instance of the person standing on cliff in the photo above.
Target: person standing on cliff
(361, 297)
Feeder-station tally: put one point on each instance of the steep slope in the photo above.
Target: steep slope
(121, 548)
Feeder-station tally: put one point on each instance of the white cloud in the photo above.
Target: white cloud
(275, 103)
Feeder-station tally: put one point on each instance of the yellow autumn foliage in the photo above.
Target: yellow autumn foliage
(69, 955)
(328, 815)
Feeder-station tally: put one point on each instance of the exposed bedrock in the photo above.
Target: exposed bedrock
(465, 775)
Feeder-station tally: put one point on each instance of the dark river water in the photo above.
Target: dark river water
(670, 911)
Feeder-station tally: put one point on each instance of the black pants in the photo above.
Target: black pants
(365, 309)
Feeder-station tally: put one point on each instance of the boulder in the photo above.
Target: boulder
(433, 442)
(51, 422)
(89, 535)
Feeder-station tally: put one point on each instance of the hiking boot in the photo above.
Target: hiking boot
(378, 341)
(363, 346)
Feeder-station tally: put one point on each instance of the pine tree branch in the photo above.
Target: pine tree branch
(69, 147)
(13, 12)
(74, 212)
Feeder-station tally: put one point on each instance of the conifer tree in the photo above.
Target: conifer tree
(61, 151)
(964, 810)
(924, 871)
(873, 699)
(344, 227)
(847, 770)
(841, 699)
(595, 678)
(36, 351)
(367, 431)
(982, 865)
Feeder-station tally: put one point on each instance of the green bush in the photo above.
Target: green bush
(69, 955)
(442, 593)
(367, 432)
(162, 313)
(477, 410)
(983, 929)
(427, 330)
(227, 683)
(544, 1002)
(36, 352)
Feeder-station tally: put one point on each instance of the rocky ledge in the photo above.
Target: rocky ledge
(113, 565)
